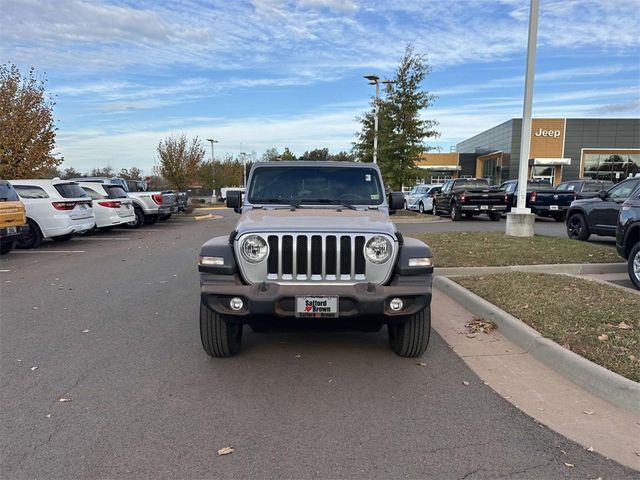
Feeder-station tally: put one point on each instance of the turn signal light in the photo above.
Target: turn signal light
(533, 197)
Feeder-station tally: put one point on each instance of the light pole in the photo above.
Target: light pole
(520, 222)
(213, 192)
(244, 169)
(375, 80)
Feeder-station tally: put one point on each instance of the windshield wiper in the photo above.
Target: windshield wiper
(331, 202)
(280, 201)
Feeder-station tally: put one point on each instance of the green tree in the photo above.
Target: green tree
(179, 159)
(343, 157)
(133, 173)
(287, 155)
(50, 172)
(271, 155)
(70, 173)
(321, 154)
(107, 171)
(402, 128)
(27, 129)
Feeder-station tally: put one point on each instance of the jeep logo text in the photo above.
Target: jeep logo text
(547, 133)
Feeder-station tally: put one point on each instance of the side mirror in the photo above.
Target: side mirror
(234, 200)
(603, 194)
(396, 202)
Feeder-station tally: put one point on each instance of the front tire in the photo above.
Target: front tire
(634, 265)
(219, 338)
(577, 228)
(421, 208)
(411, 338)
(495, 217)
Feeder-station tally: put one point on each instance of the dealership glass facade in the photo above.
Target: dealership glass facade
(610, 166)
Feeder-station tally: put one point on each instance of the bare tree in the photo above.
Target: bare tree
(179, 159)
(27, 130)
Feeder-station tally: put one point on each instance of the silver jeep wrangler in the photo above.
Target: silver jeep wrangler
(315, 245)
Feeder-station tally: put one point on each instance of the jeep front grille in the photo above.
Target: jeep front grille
(317, 258)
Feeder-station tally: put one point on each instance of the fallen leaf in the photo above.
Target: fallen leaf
(422, 364)
(35, 308)
(603, 337)
(64, 399)
(624, 326)
(637, 453)
(465, 383)
(541, 409)
(48, 415)
(590, 449)
(587, 412)
(34, 368)
(298, 356)
(225, 451)
(570, 465)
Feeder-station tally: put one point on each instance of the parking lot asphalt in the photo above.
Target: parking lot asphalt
(111, 323)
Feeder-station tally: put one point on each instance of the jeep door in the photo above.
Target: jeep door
(604, 215)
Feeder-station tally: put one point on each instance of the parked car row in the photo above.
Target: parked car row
(34, 210)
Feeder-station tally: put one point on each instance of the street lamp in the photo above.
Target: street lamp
(213, 158)
(212, 142)
(375, 80)
(244, 169)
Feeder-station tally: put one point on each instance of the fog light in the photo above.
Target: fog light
(236, 304)
(396, 304)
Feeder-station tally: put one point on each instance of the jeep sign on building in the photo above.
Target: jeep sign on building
(561, 149)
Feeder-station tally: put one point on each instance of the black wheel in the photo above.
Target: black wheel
(495, 217)
(151, 219)
(410, 339)
(421, 207)
(63, 238)
(434, 210)
(634, 265)
(219, 338)
(139, 221)
(560, 217)
(164, 217)
(31, 239)
(577, 228)
(456, 214)
(406, 207)
(6, 246)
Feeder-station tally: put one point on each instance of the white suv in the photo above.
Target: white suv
(56, 209)
(111, 204)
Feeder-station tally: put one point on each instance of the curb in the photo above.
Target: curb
(603, 383)
(569, 268)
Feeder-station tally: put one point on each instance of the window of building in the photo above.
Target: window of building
(613, 167)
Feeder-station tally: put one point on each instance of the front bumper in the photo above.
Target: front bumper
(264, 301)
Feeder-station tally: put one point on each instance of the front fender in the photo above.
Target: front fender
(413, 248)
(219, 247)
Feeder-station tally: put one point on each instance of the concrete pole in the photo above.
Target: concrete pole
(375, 124)
(520, 221)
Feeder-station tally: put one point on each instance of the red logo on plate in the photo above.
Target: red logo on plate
(307, 308)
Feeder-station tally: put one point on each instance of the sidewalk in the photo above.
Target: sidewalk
(537, 390)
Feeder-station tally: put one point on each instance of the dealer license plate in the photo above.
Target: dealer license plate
(554, 207)
(484, 207)
(316, 307)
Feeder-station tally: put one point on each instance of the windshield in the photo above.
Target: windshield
(316, 185)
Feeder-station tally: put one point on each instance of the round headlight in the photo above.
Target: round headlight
(254, 249)
(378, 249)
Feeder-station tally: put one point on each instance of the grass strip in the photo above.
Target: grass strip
(597, 321)
(491, 249)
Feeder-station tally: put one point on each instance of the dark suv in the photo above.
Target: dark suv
(628, 235)
(599, 215)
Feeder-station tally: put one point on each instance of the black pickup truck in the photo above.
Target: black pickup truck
(469, 196)
(542, 198)
(584, 188)
(628, 235)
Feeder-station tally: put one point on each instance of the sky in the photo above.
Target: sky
(261, 74)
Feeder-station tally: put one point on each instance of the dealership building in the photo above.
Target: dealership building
(560, 149)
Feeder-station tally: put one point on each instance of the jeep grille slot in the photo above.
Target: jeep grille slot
(318, 257)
